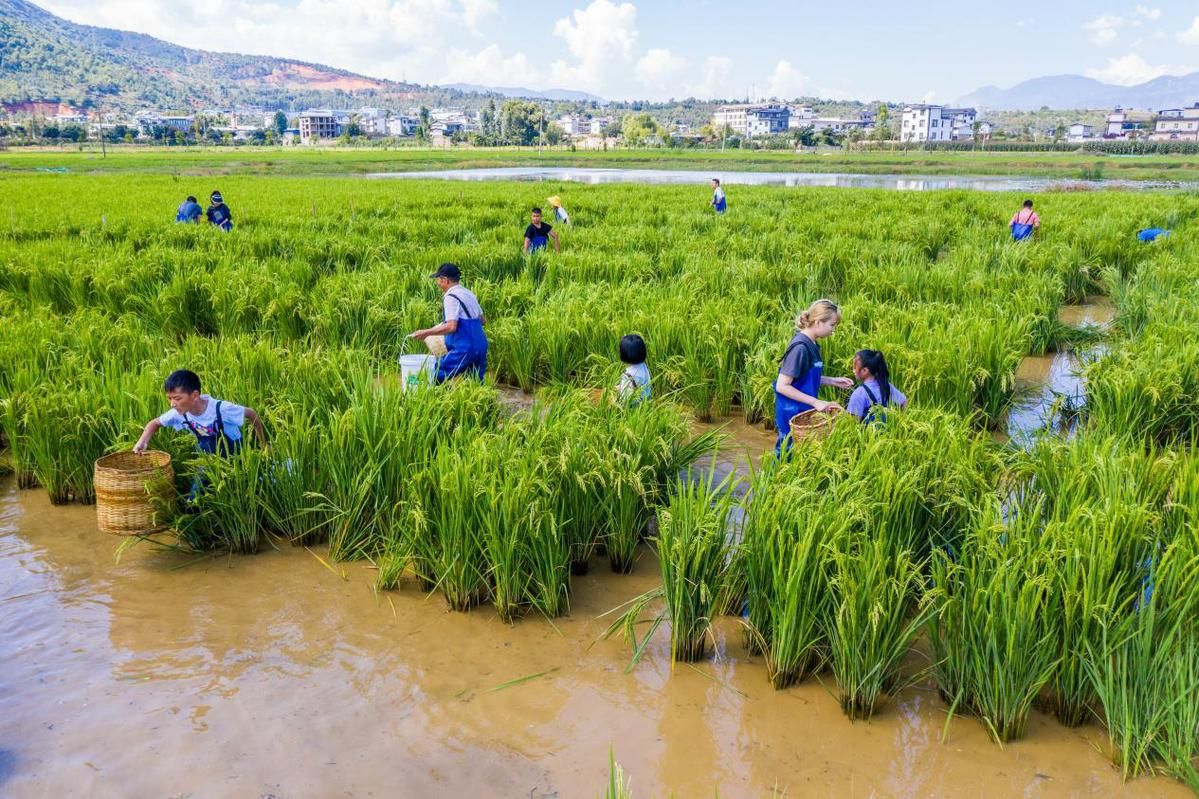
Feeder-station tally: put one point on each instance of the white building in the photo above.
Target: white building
(1079, 132)
(372, 121)
(930, 123)
(402, 125)
(801, 116)
(752, 120)
(146, 124)
(1124, 123)
(1177, 124)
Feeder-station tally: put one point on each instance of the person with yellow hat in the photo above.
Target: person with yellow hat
(559, 212)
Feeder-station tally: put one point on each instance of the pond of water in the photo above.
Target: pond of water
(595, 176)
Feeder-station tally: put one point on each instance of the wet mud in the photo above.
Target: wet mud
(161, 675)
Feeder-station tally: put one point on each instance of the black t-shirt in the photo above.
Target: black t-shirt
(802, 354)
(532, 233)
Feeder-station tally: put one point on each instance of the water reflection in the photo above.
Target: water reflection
(597, 176)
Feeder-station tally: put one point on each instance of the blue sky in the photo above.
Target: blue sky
(655, 49)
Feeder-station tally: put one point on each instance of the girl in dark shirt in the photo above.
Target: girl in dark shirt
(801, 374)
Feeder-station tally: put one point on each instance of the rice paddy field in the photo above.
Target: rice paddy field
(492, 589)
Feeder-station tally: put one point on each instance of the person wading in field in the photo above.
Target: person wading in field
(1025, 222)
(218, 213)
(189, 212)
(718, 202)
(538, 234)
(801, 373)
(465, 341)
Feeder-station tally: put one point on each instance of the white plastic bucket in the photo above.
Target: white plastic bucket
(413, 366)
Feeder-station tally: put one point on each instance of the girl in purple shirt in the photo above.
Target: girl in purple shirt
(874, 391)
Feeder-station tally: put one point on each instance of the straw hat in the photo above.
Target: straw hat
(555, 201)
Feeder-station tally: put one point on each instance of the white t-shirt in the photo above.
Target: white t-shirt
(461, 303)
(232, 415)
(561, 215)
(634, 382)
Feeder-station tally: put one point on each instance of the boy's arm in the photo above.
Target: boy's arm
(254, 419)
(151, 428)
(527, 243)
(554, 236)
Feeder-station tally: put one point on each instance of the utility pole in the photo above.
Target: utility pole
(103, 149)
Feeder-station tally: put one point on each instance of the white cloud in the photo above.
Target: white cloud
(716, 82)
(1191, 34)
(929, 97)
(381, 38)
(1151, 14)
(597, 36)
(1132, 69)
(490, 67)
(1103, 30)
(787, 82)
(660, 69)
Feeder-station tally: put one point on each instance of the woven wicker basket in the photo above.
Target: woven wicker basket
(131, 490)
(812, 424)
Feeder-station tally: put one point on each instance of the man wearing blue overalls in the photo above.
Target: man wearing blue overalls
(465, 341)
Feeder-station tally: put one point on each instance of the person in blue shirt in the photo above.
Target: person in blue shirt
(718, 201)
(634, 381)
(465, 341)
(538, 234)
(801, 373)
(1151, 234)
(189, 212)
(218, 213)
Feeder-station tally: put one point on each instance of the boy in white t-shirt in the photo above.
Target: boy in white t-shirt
(216, 424)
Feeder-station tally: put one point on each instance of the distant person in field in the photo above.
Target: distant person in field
(1152, 234)
(1025, 222)
(189, 212)
(538, 234)
(801, 373)
(218, 213)
(874, 393)
(718, 201)
(560, 214)
(216, 424)
(465, 341)
(634, 381)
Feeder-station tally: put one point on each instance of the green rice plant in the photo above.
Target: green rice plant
(459, 563)
(694, 552)
(618, 786)
(788, 561)
(990, 634)
(877, 613)
(1145, 670)
(226, 511)
(627, 493)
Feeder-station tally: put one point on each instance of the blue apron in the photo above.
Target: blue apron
(466, 349)
(719, 203)
(538, 243)
(222, 218)
(1151, 233)
(218, 443)
(785, 407)
(1022, 230)
(880, 414)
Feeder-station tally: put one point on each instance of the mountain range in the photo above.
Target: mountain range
(1076, 91)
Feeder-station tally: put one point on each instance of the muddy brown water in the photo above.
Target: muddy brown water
(1042, 379)
(273, 675)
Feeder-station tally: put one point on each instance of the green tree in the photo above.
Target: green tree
(637, 129)
(280, 122)
(521, 121)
